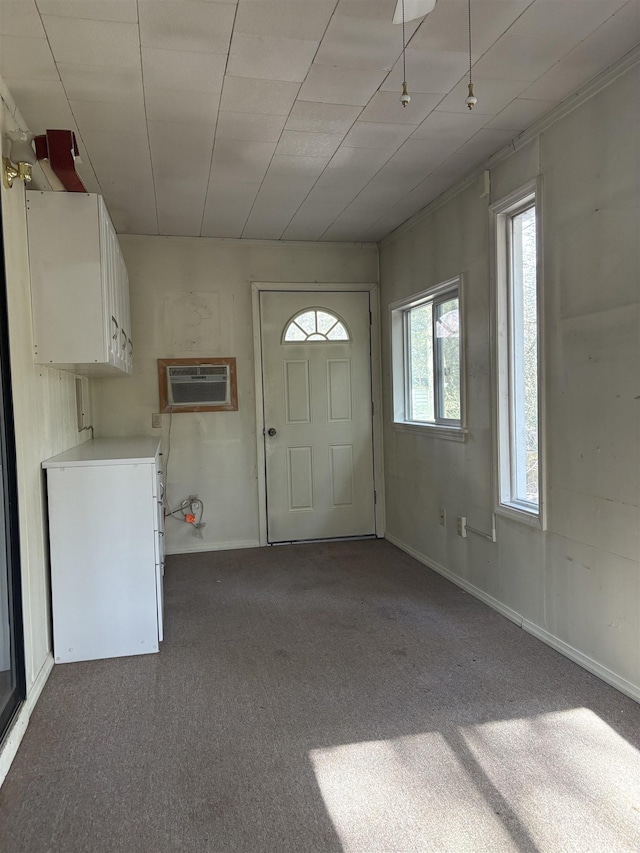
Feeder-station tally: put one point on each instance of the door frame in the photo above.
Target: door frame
(376, 388)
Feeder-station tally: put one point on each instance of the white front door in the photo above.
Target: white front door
(316, 368)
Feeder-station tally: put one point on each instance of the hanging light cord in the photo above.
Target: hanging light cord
(405, 97)
(471, 99)
(470, 62)
(404, 44)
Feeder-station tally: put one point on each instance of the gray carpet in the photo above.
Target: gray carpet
(318, 698)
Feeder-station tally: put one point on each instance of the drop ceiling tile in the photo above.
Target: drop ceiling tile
(270, 58)
(105, 152)
(315, 117)
(371, 134)
(608, 43)
(125, 118)
(429, 72)
(193, 27)
(493, 96)
(418, 157)
(181, 71)
(26, 59)
(352, 168)
(318, 211)
(368, 43)
(94, 10)
(253, 95)
(292, 20)
(285, 165)
(446, 28)
(576, 18)
(377, 10)
(187, 107)
(522, 57)
(84, 42)
(483, 145)
(351, 225)
(331, 85)
(456, 128)
(101, 83)
(43, 104)
(180, 151)
(180, 205)
(275, 206)
(242, 161)
(386, 106)
(520, 114)
(227, 207)
(261, 128)
(20, 18)
(298, 143)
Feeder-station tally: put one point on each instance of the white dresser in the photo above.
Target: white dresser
(107, 549)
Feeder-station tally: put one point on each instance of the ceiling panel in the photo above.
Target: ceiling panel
(227, 208)
(299, 143)
(188, 26)
(331, 85)
(271, 118)
(101, 83)
(87, 42)
(253, 95)
(24, 58)
(186, 107)
(316, 117)
(247, 126)
(270, 58)
(94, 10)
(182, 71)
(289, 19)
(20, 18)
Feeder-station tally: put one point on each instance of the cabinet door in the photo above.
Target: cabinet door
(159, 547)
(109, 286)
(101, 521)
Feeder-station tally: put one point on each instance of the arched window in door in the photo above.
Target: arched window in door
(315, 324)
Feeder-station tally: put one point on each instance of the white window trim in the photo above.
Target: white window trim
(499, 213)
(442, 429)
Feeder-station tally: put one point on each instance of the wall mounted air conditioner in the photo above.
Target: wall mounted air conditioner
(201, 385)
(206, 384)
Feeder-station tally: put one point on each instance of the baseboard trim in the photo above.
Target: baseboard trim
(458, 581)
(592, 666)
(214, 546)
(19, 727)
(583, 660)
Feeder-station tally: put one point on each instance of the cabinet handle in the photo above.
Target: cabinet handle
(116, 327)
(124, 339)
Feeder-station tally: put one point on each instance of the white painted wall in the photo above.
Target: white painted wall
(578, 584)
(45, 418)
(192, 297)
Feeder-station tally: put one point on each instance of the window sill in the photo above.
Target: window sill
(433, 430)
(531, 519)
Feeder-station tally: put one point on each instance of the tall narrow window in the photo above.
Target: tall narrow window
(427, 358)
(518, 356)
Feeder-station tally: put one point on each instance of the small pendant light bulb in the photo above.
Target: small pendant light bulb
(471, 100)
(405, 97)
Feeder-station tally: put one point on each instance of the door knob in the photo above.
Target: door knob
(271, 431)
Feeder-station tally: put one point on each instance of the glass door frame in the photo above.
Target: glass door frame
(9, 497)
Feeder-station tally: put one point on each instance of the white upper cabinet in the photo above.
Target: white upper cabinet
(79, 285)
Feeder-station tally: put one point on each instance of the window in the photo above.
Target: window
(427, 359)
(518, 354)
(315, 324)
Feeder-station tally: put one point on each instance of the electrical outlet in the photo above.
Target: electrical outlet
(462, 526)
(156, 421)
(443, 516)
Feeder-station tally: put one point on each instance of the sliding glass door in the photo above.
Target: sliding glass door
(12, 682)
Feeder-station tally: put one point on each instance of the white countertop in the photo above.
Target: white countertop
(107, 451)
